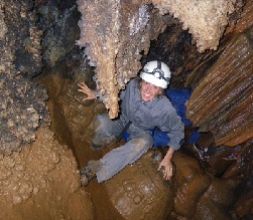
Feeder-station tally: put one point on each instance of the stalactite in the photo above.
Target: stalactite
(115, 33)
(206, 20)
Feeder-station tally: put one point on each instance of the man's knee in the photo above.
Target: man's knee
(142, 143)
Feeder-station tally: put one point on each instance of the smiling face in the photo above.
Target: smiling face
(148, 91)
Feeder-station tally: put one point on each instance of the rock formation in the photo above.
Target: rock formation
(115, 33)
(206, 20)
(222, 102)
(42, 182)
(22, 107)
(121, 32)
(138, 192)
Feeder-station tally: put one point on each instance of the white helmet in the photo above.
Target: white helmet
(156, 73)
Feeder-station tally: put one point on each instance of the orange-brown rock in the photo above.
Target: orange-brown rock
(42, 182)
(245, 19)
(207, 209)
(138, 192)
(216, 200)
(191, 184)
(244, 205)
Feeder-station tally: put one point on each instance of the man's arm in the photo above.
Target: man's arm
(175, 127)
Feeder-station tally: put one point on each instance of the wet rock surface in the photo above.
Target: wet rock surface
(138, 192)
(243, 206)
(221, 103)
(191, 183)
(59, 23)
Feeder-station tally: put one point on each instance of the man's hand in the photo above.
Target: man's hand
(166, 165)
(167, 168)
(90, 94)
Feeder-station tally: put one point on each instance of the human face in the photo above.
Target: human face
(149, 91)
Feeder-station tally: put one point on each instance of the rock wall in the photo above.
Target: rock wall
(22, 106)
(58, 20)
(222, 102)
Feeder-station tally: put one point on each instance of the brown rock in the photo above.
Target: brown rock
(191, 184)
(42, 183)
(221, 192)
(208, 210)
(139, 192)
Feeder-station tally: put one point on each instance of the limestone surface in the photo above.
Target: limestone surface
(222, 102)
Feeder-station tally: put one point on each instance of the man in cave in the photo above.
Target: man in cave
(144, 107)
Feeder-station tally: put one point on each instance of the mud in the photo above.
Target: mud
(42, 182)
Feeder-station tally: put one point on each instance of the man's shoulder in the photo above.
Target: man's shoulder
(165, 100)
(165, 104)
(133, 83)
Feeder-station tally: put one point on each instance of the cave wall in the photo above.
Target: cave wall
(222, 101)
(22, 106)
